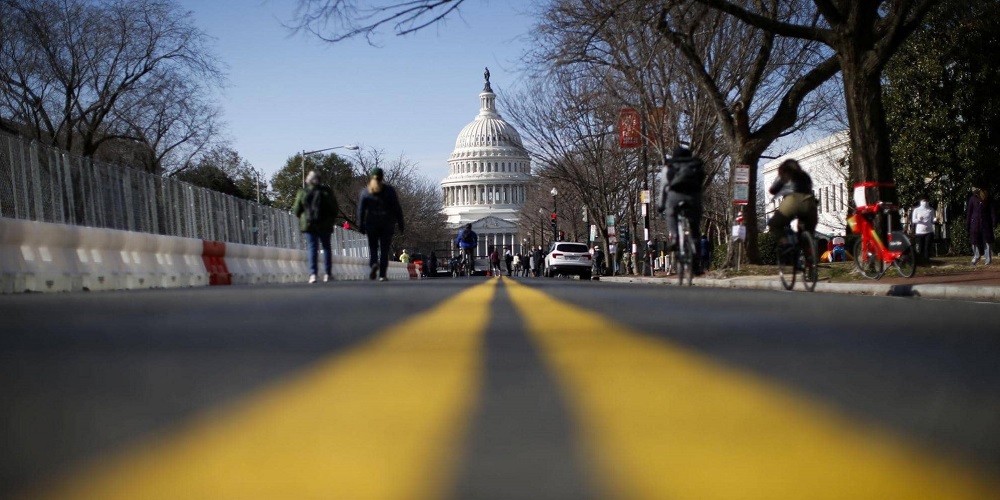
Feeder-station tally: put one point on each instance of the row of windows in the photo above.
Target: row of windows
(481, 167)
(483, 195)
(832, 198)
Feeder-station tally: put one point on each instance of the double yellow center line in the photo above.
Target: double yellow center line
(388, 419)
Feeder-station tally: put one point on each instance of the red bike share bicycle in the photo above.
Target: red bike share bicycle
(871, 255)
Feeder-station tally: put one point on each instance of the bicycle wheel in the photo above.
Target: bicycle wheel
(906, 263)
(810, 261)
(691, 252)
(867, 260)
(788, 256)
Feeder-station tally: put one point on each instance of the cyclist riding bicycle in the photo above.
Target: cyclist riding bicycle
(682, 182)
(468, 241)
(795, 186)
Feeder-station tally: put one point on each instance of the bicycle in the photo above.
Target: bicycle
(684, 252)
(462, 267)
(871, 256)
(798, 257)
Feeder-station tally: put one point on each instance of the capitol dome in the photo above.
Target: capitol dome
(488, 130)
(487, 176)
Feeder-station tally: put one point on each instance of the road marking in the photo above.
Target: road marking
(660, 421)
(385, 420)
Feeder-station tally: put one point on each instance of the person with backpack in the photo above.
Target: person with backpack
(316, 207)
(379, 212)
(681, 182)
(468, 241)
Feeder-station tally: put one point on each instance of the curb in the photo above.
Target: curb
(925, 291)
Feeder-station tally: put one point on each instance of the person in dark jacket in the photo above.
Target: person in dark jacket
(981, 218)
(379, 212)
(316, 208)
(598, 261)
(682, 182)
(538, 260)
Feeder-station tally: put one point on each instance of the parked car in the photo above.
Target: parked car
(567, 258)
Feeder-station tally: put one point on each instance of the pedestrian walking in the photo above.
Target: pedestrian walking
(705, 248)
(922, 222)
(316, 207)
(508, 259)
(379, 213)
(980, 219)
(495, 262)
(536, 261)
(613, 258)
(598, 261)
(517, 264)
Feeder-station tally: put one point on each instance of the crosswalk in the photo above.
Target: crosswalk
(391, 418)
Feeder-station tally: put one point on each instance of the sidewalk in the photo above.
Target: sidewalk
(982, 284)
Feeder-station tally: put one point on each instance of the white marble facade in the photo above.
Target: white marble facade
(487, 177)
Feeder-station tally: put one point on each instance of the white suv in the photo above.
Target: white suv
(568, 258)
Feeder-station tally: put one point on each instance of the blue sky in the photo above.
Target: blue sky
(410, 96)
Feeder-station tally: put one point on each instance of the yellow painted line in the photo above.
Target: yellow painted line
(385, 420)
(659, 421)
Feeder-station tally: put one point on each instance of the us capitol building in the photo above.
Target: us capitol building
(488, 173)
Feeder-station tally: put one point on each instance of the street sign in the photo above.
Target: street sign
(741, 193)
(741, 184)
(743, 174)
(612, 231)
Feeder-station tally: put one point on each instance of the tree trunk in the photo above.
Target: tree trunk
(750, 215)
(871, 159)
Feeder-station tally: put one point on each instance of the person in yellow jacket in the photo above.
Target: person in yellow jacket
(404, 257)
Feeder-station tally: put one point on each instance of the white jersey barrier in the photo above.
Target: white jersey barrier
(46, 257)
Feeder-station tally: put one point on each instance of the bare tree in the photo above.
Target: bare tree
(759, 85)
(419, 196)
(338, 20)
(568, 126)
(82, 75)
(726, 89)
(864, 34)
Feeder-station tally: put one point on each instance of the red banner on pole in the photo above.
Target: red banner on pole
(629, 128)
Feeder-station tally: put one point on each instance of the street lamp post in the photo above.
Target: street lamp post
(350, 147)
(555, 214)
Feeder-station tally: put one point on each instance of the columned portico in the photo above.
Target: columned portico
(487, 177)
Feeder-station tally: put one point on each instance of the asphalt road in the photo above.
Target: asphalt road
(484, 388)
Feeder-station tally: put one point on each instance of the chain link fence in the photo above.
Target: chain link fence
(42, 183)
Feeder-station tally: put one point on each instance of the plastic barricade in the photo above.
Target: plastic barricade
(213, 255)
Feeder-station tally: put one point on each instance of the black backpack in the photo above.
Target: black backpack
(688, 176)
(314, 205)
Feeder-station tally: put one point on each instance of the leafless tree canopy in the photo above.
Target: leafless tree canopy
(864, 34)
(338, 20)
(129, 79)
